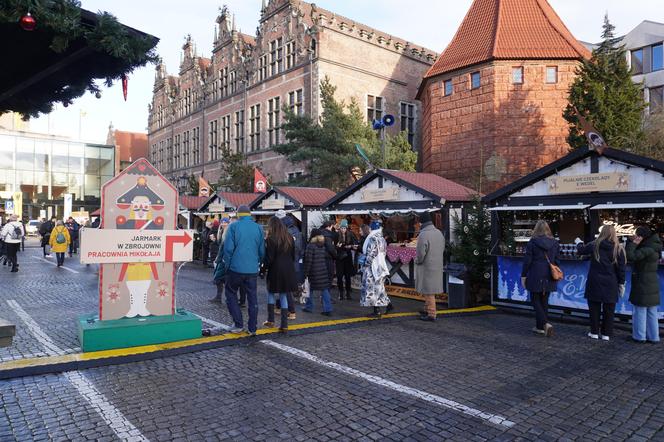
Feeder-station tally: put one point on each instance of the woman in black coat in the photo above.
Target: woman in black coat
(606, 280)
(316, 270)
(281, 277)
(536, 274)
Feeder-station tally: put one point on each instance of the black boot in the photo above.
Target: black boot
(348, 295)
(376, 313)
(283, 328)
(389, 308)
(270, 316)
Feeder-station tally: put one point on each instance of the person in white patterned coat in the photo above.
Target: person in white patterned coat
(375, 271)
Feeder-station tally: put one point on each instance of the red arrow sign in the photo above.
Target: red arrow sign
(171, 240)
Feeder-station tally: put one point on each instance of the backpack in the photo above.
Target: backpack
(60, 238)
(18, 232)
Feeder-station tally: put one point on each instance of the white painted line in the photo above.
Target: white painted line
(113, 417)
(55, 264)
(419, 394)
(214, 323)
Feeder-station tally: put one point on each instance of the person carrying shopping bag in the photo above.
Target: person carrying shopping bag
(605, 282)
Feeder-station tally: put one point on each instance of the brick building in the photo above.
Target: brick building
(235, 99)
(129, 146)
(492, 103)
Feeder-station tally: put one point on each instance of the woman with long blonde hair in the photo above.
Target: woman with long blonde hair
(606, 280)
(536, 277)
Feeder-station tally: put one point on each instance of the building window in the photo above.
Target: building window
(255, 127)
(187, 101)
(223, 77)
(239, 131)
(169, 154)
(448, 87)
(177, 152)
(262, 67)
(196, 145)
(213, 146)
(475, 80)
(290, 54)
(517, 75)
(375, 106)
(637, 61)
(186, 148)
(296, 102)
(552, 74)
(225, 133)
(657, 57)
(656, 98)
(273, 121)
(293, 176)
(407, 116)
(276, 56)
(160, 158)
(232, 82)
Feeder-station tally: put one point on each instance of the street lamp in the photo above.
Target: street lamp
(183, 180)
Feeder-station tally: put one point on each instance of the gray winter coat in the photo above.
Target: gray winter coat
(429, 261)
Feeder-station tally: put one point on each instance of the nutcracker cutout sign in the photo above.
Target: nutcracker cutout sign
(137, 244)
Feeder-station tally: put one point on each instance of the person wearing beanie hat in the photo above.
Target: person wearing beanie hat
(346, 243)
(243, 253)
(429, 265)
(375, 271)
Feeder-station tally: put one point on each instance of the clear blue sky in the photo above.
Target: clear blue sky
(430, 23)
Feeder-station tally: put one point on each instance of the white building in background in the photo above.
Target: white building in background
(646, 57)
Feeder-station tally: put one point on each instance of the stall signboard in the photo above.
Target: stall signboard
(621, 229)
(124, 246)
(385, 194)
(81, 216)
(272, 204)
(216, 208)
(136, 206)
(592, 182)
(571, 289)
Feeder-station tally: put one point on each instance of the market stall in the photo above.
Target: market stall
(398, 197)
(225, 203)
(304, 203)
(576, 195)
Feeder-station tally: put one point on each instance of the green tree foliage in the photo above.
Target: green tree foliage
(604, 92)
(653, 142)
(236, 175)
(192, 185)
(327, 148)
(471, 248)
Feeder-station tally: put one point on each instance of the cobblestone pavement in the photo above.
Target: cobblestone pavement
(381, 381)
(54, 298)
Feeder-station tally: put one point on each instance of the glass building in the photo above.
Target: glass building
(45, 168)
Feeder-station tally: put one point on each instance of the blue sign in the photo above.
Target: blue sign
(9, 206)
(570, 290)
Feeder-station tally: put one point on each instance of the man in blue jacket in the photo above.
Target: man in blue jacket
(244, 249)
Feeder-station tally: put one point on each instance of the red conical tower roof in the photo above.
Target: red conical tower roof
(508, 30)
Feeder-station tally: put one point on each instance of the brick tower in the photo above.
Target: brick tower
(492, 103)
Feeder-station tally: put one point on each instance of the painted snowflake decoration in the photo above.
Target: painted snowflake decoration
(113, 293)
(162, 290)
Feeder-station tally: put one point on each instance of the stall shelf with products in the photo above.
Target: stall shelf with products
(576, 195)
(398, 197)
(304, 203)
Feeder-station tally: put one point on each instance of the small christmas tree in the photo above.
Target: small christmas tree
(472, 248)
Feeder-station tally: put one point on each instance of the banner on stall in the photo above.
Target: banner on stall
(571, 289)
(593, 182)
(384, 194)
(273, 204)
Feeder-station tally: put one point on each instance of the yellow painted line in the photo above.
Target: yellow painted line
(129, 351)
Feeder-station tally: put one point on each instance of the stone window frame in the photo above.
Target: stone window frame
(296, 101)
(547, 71)
(518, 75)
(410, 119)
(186, 148)
(262, 67)
(169, 153)
(177, 150)
(160, 158)
(445, 84)
(225, 131)
(276, 48)
(239, 130)
(473, 75)
(294, 174)
(196, 146)
(291, 54)
(213, 140)
(375, 112)
(273, 121)
(255, 127)
(223, 76)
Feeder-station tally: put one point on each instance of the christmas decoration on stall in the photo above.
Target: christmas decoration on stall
(28, 22)
(66, 28)
(471, 248)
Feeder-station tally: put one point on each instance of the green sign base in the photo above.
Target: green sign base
(96, 335)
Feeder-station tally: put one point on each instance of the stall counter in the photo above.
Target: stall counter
(570, 289)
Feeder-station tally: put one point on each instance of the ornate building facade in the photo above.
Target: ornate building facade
(492, 103)
(236, 98)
